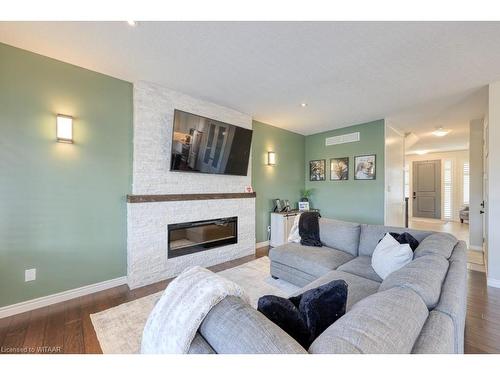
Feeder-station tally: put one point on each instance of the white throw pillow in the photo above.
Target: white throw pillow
(294, 235)
(390, 256)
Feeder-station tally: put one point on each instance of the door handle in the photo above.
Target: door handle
(414, 195)
(481, 211)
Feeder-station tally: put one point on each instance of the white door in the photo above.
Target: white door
(394, 177)
(485, 192)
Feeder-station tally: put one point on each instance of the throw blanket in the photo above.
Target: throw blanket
(309, 229)
(188, 299)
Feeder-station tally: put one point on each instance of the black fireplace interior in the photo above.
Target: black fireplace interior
(195, 236)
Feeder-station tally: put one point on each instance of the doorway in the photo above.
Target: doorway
(427, 189)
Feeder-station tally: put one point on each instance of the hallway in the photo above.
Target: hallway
(475, 259)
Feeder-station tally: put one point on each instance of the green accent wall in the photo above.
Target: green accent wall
(284, 180)
(63, 208)
(352, 200)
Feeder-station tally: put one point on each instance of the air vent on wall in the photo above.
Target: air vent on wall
(345, 138)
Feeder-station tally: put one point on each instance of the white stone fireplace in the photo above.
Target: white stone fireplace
(147, 223)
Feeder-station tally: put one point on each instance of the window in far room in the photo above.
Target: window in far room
(448, 188)
(407, 180)
(466, 182)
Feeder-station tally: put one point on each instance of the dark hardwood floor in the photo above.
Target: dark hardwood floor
(66, 327)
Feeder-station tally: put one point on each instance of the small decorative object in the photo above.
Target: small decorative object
(278, 207)
(306, 193)
(339, 169)
(303, 206)
(286, 205)
(364, 167)
(248, 189)
(317, 170)
(271, 158)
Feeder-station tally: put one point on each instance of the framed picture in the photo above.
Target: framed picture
(364, 167)
(278, 207)
(339, 169)
(303, 206)
(317, 170)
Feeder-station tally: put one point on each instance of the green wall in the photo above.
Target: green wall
(351, 200)
(63, 207)
(285, 180)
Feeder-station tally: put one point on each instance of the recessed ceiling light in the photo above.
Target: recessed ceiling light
(132, 23)
(422, 152)
(303, 104)
(440, 132)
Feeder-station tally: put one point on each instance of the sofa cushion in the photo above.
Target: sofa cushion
(436, 336)
(424, 275)
(234, 327)
(358, 287)
(200, 346)
(315, 261)
(341, 235)
(361, 266)
(385, 322)
(437, 243)
(371, 234)
(453, 300)
(291, 275)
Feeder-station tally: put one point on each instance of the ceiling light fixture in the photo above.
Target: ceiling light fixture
(421, 152)
(132, 23)
(440, 132)
(303, 104)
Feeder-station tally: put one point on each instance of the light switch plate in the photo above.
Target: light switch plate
(30, 275)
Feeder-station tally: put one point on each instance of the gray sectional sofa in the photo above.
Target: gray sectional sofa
(418, 309)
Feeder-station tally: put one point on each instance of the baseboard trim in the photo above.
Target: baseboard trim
(37, 303)
(493, 282)
(475, 248)
(258, 245)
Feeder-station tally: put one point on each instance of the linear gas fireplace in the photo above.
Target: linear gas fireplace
(195, 236)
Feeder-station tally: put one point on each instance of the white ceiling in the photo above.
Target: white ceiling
(419, 75)
(452, 113)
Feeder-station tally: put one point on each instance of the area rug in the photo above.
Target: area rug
(119, 329)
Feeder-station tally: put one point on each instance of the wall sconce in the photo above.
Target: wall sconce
(64, 129)
(271, 158)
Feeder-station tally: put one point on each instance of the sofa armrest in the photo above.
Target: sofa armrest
(234, 327)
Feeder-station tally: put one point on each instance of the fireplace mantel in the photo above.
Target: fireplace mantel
(186, 197)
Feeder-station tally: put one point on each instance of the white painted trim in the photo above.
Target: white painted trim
(37, 303)
(493, 282)
(475, 248)
(258, 245)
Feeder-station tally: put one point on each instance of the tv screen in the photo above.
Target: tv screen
(204, 145)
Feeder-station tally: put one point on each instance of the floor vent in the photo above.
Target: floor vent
(339, 139)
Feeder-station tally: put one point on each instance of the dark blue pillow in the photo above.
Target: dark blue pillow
(285, 315)
(405, 238)
(306, 316)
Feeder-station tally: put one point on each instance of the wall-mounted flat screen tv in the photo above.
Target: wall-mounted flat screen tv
(204, 145)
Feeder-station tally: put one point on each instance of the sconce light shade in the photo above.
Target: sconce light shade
(64, 129)
(271, 158)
